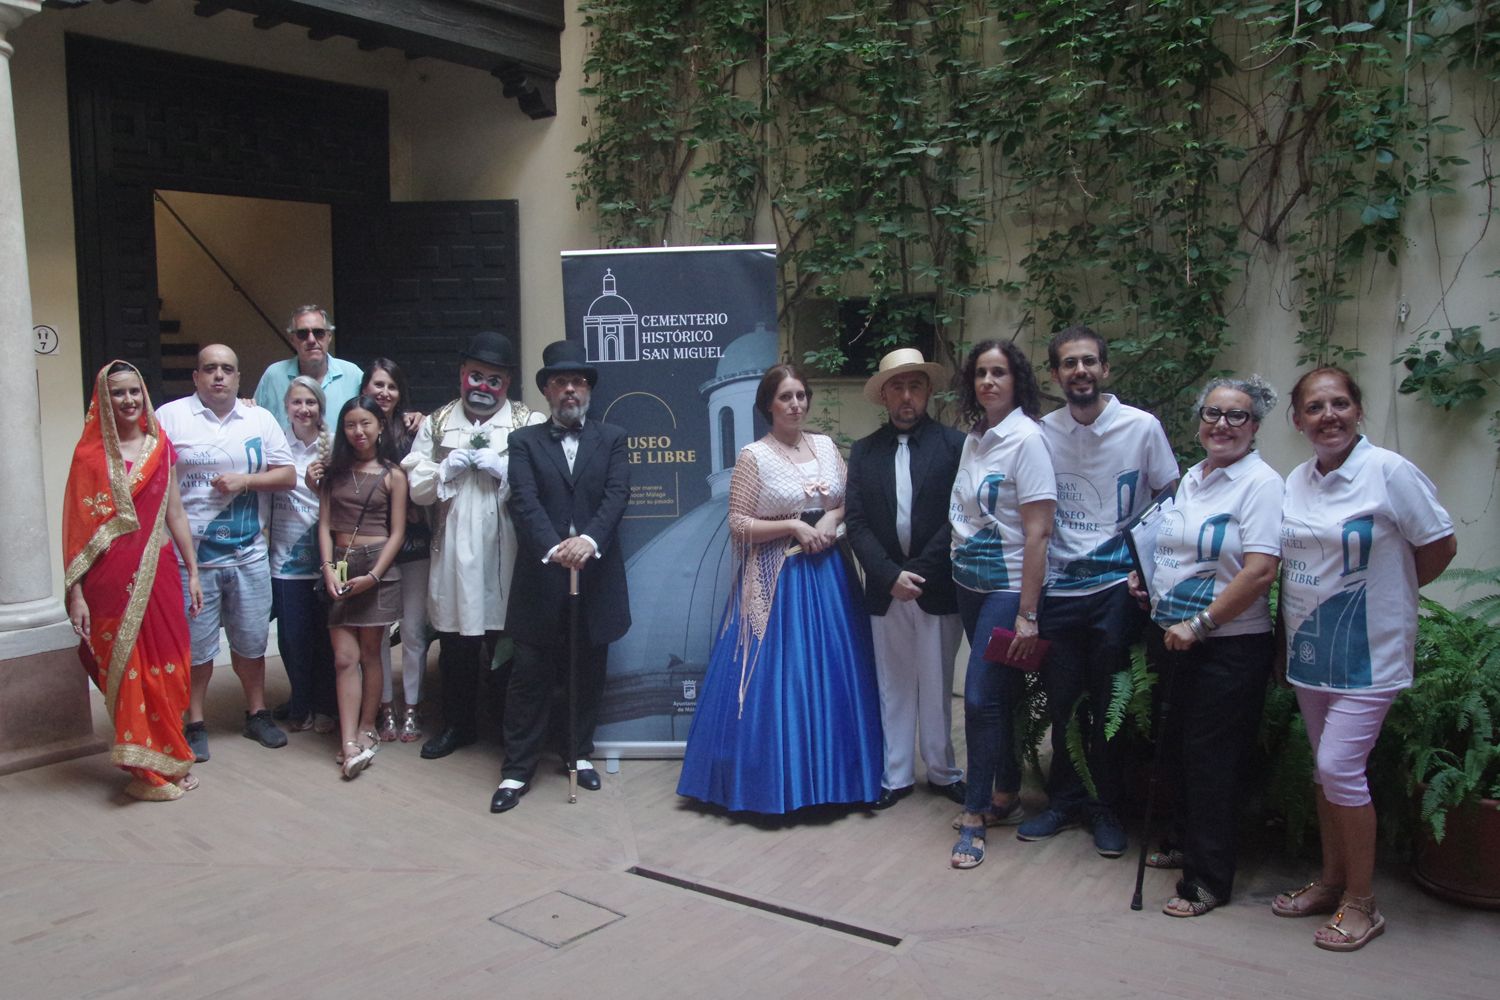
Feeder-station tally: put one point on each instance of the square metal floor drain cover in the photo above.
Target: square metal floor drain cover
(556, 918)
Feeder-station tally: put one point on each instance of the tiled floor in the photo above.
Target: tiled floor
(277, 879)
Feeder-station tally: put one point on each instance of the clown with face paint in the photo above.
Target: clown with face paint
(458, 465)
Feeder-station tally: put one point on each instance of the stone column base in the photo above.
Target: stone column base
(44, 699)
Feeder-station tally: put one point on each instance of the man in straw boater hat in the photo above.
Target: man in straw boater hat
(570, 484)
(900, 479)
(458, 465)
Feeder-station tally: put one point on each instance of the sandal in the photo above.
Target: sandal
(1192, 900)
(1166, 857)
(357, 761)
(387, 724)
(411, 727)
(992, 817)
(1351, 942)
(966, 853)
(1312, 899)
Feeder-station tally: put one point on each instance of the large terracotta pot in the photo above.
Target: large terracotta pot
(1465, 867)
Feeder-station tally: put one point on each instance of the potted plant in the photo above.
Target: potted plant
(1445, 732)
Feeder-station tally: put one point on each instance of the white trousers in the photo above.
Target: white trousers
(914, 654)
(414, 641)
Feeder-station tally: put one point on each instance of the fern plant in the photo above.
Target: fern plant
(1129, 702)
(1445, 729)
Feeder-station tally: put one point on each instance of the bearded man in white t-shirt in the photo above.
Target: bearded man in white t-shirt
(1110, 460)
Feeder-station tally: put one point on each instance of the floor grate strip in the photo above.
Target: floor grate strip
(831, 923)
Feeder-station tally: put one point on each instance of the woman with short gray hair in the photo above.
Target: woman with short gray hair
(1218, 548)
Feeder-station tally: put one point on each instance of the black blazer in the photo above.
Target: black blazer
(870, 513)
(544, 499)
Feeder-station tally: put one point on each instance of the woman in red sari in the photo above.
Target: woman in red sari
(123, 587)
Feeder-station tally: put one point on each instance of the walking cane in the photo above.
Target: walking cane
(573, 686)
(1156, 763)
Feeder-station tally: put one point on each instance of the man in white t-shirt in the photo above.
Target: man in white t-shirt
(227, 452)
(1110, 460)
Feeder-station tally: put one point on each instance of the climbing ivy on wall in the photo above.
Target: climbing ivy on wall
(1124, 165)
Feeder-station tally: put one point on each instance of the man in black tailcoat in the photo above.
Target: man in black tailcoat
(570, 483)
(900, 484)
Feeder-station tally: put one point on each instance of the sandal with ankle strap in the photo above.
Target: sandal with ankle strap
(966, 853)
(1319, 899)
(1352, 942)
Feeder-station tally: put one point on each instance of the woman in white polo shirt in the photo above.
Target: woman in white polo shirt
(1004, 500)
(1362, 529)
(1217, 548)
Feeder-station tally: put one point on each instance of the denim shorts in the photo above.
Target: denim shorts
(239, 599)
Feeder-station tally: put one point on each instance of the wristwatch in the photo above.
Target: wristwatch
(1029, 616)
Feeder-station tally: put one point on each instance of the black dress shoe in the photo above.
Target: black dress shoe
(444, 743)
(588, 779)
(506, 799)
(890, 796)
(956, 792)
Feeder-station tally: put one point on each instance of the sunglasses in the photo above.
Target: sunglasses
(311, 331)
(1212, 414)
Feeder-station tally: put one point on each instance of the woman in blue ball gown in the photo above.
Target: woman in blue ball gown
(789, 716)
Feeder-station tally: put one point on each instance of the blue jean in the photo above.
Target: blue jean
(991, 693)
(302, 640)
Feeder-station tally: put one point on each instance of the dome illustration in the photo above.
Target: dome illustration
(611, 329)
(667, 647)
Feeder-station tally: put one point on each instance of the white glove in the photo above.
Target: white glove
(491, 461)
(455, 465)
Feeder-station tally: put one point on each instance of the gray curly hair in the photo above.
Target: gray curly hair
(1262, 396)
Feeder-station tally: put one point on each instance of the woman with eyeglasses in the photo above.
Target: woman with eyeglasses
(1218, 547)
(1354, 514)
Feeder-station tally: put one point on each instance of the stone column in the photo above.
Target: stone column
(44, 707)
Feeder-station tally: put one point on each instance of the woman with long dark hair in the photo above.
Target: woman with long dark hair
(1004, 499)
(361, 522)
(386, 384)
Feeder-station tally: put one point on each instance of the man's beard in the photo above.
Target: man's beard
(1081, 396)
(571, 411)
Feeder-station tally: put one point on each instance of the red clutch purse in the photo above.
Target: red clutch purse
(999, 646)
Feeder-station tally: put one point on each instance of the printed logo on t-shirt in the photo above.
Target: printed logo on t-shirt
(979, 563)
(1331, 645)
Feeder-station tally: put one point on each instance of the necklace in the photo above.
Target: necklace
(814, 485)
(358, 481)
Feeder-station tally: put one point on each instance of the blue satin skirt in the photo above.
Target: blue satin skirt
(809, 732)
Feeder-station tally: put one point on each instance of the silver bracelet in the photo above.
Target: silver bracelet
(1195, 627)
(1208, 620)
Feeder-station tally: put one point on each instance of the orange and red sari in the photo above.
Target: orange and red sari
(116, 545)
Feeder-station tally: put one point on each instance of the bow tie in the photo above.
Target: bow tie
(558, 431)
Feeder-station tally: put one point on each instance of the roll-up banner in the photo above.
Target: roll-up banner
(681, 337)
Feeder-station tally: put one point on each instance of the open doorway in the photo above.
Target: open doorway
(230, 270)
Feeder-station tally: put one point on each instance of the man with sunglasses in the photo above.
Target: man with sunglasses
(459, 466)
(1110, 460)
(312, 334)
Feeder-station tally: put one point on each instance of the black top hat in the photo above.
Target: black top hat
(565, 356)
(492, 349)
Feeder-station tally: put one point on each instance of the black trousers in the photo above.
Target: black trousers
(1216, 691)
(1091, 638)
(536, 701)
(461, 665)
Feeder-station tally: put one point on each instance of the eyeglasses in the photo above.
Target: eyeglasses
(310, 331)
(1212, 414)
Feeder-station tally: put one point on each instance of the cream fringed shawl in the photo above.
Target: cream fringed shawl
(768, 486)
